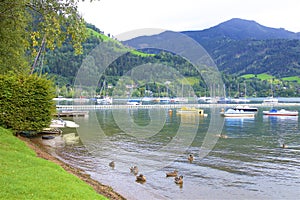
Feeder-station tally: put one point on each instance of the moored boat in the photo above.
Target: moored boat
(281, 112)
(270, 100)
(134, 102)
(104, 101)
(245, 108)
(239, 100)
(237, 113)
(57, 123)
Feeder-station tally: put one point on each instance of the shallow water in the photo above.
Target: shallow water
(241, 160)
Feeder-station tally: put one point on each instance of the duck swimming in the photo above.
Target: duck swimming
(112, 164)
(191, 158)
(172, 174)
(141, 178)
(178, 180)
(134, 170)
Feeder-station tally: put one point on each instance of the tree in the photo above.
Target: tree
(26, 102)
(13, 22)
(27, 27)
(30, 25)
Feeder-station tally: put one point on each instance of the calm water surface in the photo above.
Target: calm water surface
(246, 162)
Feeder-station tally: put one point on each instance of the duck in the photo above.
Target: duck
(178, 180)
(134, 170)
(141, 178)
(191, 158)
(222, 136)
(172, 174)
(112, 164)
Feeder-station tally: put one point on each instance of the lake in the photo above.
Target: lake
(234, 158)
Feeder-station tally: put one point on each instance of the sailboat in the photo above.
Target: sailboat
(241, 100)
(271, 99)
(105, 99)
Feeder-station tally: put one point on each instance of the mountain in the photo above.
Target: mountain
(241, 47)
(234, 55)
(240, 29)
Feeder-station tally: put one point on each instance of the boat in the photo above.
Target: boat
(60, 123)
(245, 108)
(134, 102)
(104, 101)
(71, 124)
(270, 100)
(223, 100)
(187, 110)
(281, 112)
(180, 100)
(147, 99)
(57, 123)
(237, 113)
(239, 100)
(165, 100)
(205, 100)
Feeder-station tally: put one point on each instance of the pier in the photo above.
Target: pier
(71, 113)
(79, 110)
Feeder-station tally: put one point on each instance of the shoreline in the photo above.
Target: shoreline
(41, 152)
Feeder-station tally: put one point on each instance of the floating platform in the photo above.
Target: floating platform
(72, 114)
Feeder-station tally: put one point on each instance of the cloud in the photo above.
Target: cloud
(118, 16)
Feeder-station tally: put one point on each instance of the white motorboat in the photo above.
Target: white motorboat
(237, 113)
(245, 108)
(281, 112)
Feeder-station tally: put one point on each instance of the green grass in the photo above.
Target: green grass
(25, 176)
(292, 78)
(265, 77)
(272, 78)
(248, 76)
(259, 76)
(189, 81)
(119, 47)
(95, 33)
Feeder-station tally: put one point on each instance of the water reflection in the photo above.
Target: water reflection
(238, 121)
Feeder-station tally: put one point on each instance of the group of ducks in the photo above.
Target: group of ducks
(177, 179)
(142, 178)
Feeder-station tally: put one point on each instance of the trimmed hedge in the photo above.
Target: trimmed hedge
(26, 102)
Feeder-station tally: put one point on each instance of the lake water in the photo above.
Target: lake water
(235, 158)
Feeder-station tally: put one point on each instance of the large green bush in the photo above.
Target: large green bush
(26, 102)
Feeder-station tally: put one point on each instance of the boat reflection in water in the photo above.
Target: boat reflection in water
(275, 118)
(238, 121)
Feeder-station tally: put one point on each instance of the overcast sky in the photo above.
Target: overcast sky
(119, 16)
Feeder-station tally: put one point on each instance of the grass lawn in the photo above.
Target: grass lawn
(25, 176)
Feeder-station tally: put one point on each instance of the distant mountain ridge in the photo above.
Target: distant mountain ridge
(240, 29)
(241, 47)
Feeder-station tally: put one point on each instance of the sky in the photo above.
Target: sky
(118, 16)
